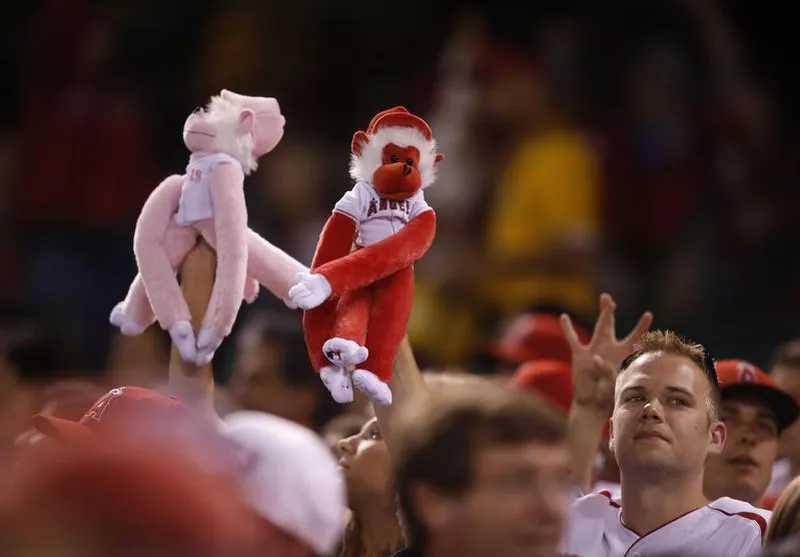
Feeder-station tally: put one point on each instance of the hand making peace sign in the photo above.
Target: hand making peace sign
(595, 365)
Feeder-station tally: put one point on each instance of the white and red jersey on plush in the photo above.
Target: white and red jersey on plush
(376, 217)
(723, 528)
(195, 203)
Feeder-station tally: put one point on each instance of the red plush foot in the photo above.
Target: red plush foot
(344, 352)
(337, 381)
(374, 388)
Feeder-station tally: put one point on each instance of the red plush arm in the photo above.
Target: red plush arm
(370, 264)
(335, 240)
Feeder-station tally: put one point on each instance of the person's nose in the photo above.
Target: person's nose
(652, 411)
(346, 446)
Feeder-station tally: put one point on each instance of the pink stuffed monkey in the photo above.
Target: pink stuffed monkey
(226, 140)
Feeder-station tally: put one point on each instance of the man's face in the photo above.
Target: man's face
(744, 467)
(516, 504)
(788, 379)
(660, 422)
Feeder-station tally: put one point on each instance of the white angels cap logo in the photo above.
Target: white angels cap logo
(96, 412)
(746, 373)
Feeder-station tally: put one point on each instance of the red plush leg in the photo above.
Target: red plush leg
(391, 308)
(317, 327)
(372, 263)
(335, 241)
(352, 315)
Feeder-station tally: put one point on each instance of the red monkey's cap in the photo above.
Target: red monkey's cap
(399, 116)
(738, 377)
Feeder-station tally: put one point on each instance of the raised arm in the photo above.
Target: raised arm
(372, 263)
(594, 372)
(407, 383)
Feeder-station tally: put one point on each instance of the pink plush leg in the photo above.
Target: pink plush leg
(271, 266)
(134, 314)
(157, 265)
(391, 308)
(251, 288)
(136, 306)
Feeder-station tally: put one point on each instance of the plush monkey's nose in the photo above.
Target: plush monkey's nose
(406, 169)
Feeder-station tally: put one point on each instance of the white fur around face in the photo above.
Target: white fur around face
(224, 114)
(363, 167)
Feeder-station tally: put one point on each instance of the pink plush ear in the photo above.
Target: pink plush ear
(359, 140)
(247, 119)
(439, 158)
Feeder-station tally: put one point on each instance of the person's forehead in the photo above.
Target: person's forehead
(539, 455)
(746, 403)
(656, 369)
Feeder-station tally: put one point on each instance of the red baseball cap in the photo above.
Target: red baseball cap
(551, 379)
(118, 408)
(741, 377)
(535, 336)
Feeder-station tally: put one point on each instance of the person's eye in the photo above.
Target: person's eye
(678, 402)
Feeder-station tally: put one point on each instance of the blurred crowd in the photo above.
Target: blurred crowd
(646, 150)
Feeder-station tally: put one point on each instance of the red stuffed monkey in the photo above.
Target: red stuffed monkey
(358, 302)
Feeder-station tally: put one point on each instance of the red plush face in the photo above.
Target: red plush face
(398, 177)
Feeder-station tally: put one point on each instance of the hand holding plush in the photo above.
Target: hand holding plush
(226, 140)
(358, 304)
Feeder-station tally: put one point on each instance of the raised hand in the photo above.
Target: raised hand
(595, 365)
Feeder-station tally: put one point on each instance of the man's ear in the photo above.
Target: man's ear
(359, 140)
(611, 435)
(717, 435)
(247, 120)
(434, 508)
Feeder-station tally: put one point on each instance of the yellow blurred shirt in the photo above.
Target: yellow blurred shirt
(549, 191)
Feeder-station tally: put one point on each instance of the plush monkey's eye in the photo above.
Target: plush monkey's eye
(393, 158)
(410, 162)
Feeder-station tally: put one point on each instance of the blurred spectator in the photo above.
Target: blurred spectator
(139, 360)
(460, 451)
(139, 418)
(785, 523)
(272, 372)
(124, 503)
(755, 411)
(289, 478)
(531, 336)
(785, 371)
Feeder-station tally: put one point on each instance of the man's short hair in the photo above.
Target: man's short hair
(786, 355)
(670, 343)
(439, 433)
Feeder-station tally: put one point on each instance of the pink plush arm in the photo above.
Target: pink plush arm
(230, 227)
(370, 264)
(271, 266)
(151, 255)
